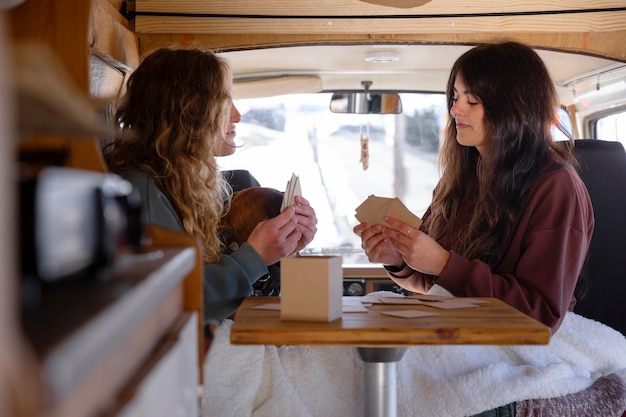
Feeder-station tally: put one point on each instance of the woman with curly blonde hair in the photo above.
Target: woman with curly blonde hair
(179, 110)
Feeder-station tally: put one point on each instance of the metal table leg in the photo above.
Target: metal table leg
(380, 380)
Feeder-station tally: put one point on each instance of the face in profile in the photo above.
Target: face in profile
(228, 147)
(468, 113)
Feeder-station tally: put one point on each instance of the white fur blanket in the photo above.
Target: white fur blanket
(454, 381)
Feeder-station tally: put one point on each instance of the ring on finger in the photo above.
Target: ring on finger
(408, 232)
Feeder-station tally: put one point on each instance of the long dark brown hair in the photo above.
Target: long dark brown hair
(520, 103)
(176, 106)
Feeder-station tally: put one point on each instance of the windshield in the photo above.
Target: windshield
(298, 134)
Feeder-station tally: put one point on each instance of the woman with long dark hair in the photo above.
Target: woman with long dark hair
(510, 218)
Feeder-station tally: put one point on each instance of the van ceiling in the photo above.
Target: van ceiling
(417, 68)
(330, 39)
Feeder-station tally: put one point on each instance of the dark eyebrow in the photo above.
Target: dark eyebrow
(466, 91)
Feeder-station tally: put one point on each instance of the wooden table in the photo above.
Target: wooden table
(382, 340)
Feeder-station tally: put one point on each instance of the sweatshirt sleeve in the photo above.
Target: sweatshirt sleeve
(540, 268)
(226, 282)
(229, 281)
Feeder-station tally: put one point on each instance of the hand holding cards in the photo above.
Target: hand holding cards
(291, 191)
(374, 210)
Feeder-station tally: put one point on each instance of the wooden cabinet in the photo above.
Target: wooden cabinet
(128, 345)
(169, 387)
(103, 343)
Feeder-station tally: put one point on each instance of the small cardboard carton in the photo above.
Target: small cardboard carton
(311, 288)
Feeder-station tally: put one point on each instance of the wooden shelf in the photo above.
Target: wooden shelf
(91, 337)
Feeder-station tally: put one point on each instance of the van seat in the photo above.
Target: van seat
(603, 170)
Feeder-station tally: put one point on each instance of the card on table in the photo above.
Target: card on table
(409, 314)
(431, 297)
(400, 300)
(347, 307)
(451, 304)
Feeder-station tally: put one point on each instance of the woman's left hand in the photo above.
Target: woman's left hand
(307, 221)
(419, 251)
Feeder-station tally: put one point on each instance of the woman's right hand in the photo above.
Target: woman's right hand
(277, 237)
(377, 247)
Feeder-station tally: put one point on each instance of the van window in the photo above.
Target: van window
(611, 127)
(563, 128)
(298, 134)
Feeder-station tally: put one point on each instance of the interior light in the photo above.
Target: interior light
(382, 56)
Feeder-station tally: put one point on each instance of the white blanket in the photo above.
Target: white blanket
(454, 381)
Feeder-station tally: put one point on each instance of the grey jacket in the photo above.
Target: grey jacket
(227, 282)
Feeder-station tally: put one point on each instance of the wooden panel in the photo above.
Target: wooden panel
(111, 38)
(170, 361)
(370, 271)
(193, 299)
(91, 335)
(20, 391)
(586, 22)
(112, 370)
(81, 153)
(113, 8)
(450, 21)
(495, 323)
(62, 25)
(609, 44)
(352, 7)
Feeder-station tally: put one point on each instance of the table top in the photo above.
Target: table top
(492, 323)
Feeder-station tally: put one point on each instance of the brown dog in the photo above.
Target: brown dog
(248, 207)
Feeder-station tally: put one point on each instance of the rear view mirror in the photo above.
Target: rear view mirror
(366, 103)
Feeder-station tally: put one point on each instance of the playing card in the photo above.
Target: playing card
(374, 209)
(408, 314)
(398, 210)
(370, 210)
(292, 190)
(400, 300)
(452, 304)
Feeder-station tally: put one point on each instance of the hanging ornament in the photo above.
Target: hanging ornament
(365, 153)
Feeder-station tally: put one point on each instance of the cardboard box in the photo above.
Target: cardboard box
(311, 288)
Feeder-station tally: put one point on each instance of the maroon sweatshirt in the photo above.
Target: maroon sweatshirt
(538, 272)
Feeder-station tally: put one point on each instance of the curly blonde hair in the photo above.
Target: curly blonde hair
(176, 106)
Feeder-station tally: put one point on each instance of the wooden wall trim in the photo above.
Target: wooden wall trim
(353, 7)
(605, 44)
(113, 9)
(584, 22)
(595, 27)
(111, 37)
(193, 296)
(61, 25)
